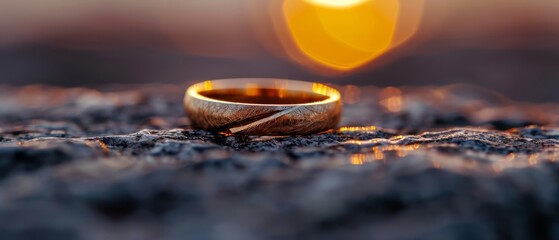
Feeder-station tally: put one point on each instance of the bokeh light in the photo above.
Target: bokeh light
(345, 35)
(337, 3)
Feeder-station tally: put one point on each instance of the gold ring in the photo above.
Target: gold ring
(265, 107)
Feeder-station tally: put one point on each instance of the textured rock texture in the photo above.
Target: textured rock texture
(415, 163)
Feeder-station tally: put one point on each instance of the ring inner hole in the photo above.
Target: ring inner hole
(263, 96)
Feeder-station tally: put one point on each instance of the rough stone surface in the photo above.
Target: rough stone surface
(416, 163)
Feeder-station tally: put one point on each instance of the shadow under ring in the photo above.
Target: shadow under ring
(264, 107)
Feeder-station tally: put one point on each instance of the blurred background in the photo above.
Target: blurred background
(508, 46)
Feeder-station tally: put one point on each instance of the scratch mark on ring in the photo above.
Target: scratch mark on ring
(263, 120)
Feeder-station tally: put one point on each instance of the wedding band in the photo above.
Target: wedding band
(260, 106)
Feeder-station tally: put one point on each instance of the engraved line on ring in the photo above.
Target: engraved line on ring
(263, 120)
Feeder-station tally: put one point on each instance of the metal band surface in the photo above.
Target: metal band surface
(265, 107)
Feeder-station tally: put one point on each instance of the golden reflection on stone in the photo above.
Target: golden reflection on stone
(412, 147)
(374, 141)
(379, 155)
(356, 142)
(466, 161)
(397, 138)
(443, 155)
(104, 147)
(225, 134)
(357, 159)
(358, 129)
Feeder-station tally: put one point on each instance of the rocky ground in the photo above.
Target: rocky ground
(121, 162)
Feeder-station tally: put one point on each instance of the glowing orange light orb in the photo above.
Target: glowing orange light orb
(336, 3)
(342, 38)
(347, 34)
